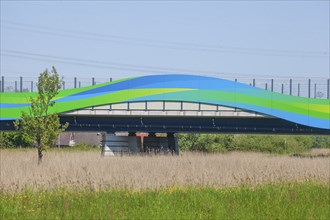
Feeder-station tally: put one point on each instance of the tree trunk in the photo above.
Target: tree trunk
(39, 154)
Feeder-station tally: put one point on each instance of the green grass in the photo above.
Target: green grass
(281, 201)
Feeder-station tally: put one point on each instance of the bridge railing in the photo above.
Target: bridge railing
(303, 87)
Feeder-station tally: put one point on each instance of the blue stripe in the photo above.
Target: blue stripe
(9, 105)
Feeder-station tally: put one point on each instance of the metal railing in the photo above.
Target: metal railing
(303, 87)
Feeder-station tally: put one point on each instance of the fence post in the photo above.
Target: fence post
(266, 86)
(282, 89)
(21, 84)
(314, 90)
(254, 82)
(2, 83)
(31, 86)
(290, 86)
(110, 79)
(309, 88)
(93, 81)
(272, 85)
(328, 92)
(75, 82)
(79, 84)
(298, 89)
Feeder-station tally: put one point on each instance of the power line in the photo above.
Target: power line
(94, 62)
(214, 50)
(159, 44)
(116, 66)
(77, 63)
(160, 41)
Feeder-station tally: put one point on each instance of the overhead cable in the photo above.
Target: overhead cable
(158, 43)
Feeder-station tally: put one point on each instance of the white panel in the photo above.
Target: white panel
(174, 113)
(120, 112)
(156, 113)
(223, 108)
(190, 106)
(155, 105)
(172, 105)
(139, 112)
(137, 106)
(85, 112)
(245, 114)
(119, 106)
(103, 107)
(190, 113)
(101, 112)
(210, 113)
(230, 114)
(205, 107)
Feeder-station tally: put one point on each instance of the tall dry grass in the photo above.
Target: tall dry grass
(19, 169)
(319, 152)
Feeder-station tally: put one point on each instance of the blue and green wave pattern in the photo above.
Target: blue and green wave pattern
(187, 88)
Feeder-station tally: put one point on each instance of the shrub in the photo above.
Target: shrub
(246, 142)
(14, 140)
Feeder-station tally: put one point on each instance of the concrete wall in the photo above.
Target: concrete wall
(122, 143)
(91, 138)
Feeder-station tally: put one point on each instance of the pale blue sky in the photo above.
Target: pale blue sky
(85, 39)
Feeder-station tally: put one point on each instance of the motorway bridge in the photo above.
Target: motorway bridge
(178, 103)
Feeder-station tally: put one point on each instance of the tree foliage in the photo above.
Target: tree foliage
(321, 141)
(14, 140)
(39, 124)
(248, 142)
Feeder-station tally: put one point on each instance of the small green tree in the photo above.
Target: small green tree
(39, 124)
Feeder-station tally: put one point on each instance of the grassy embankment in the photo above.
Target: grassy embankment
(282, 201)
(235, 185)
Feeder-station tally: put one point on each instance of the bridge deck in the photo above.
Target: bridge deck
(182, 103)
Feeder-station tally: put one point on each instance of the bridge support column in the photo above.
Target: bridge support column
(105, 149)
(119, 143)
(173, 143)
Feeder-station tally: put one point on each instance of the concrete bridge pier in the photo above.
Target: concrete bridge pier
(119, 143)
(173, 144)
(131, 142)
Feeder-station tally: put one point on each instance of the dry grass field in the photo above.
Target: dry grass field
(19, 170)
(320, 152)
